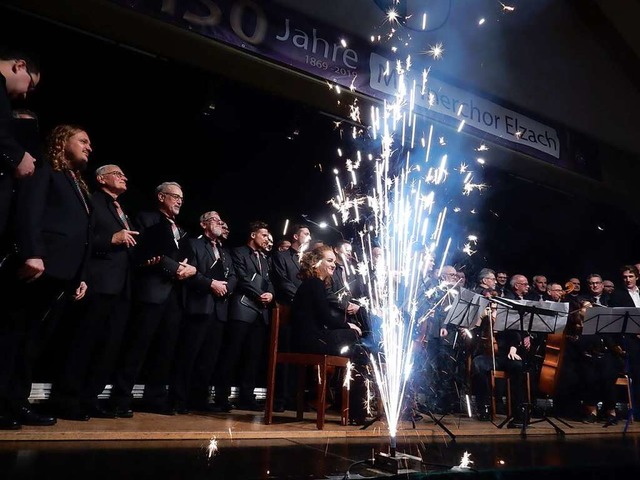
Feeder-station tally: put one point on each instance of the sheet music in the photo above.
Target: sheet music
(537, 316)
(611, 320)
(466, 308)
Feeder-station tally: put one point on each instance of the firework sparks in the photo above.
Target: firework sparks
(436, 51)
(506, 8)
(466, 461)
(212, 448)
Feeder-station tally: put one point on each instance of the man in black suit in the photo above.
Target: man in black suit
(161, 268)
(96, 338)
(286, 266)
(248, 319)
(19, 75)
(206, 305)
(628, 295)
(52, 246)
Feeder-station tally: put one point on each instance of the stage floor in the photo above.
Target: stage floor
(178, 447)
(244, 425)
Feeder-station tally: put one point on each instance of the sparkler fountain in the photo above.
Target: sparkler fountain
(407, 211)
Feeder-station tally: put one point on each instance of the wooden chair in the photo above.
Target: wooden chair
(625, 381)
(321, 363)
(503, 375)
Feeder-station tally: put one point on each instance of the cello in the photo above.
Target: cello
(554, 353)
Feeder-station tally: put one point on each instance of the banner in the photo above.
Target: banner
(286, 37)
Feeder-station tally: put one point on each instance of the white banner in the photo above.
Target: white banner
(477, 112)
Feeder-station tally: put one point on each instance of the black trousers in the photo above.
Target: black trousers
(94, 344)
(29, 311)
(150, 344)
(196, 357)
(242, 353)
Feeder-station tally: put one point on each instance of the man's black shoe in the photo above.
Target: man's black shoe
(591, 418)
(159, 409)
(9, 423)
(26, 416)
(251, 406)
(182, 410)
(74, 414)
(99, 412)
(123, 412)
(611, 421)
(515, 424)
(222, 407)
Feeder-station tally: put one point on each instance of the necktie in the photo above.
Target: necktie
(344, 278)
(123, 217)
(75, 181)
(176, 231)
(216, 253)
(258, 260)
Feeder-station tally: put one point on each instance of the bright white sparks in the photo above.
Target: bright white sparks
(436, 51)
(212, 448)
(507, 8)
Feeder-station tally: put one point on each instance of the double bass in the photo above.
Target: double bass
(554, 350)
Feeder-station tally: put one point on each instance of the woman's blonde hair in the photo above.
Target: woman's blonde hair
(310, 262)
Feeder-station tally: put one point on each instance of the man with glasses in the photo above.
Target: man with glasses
(501, 282)
(162, 266)
(97, 337)
(19, 75)
(595, 294)
(206, 305)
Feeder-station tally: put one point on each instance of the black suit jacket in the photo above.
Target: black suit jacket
(198, 298)
(11, 152)
(246, 265)
(621, 298)
(52, 223)
(285, 275)
(154, 283)
(110, 265)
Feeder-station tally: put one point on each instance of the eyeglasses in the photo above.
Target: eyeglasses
(175, 196)
(32, 83)
(594, 283)
(522, 283)
(116, 173)
(213, 219)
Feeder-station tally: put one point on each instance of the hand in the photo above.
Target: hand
(266, 298)
(355, 327)
(26, 167)
(32, 269)
(185, 270)
(80, 291)
(124, 237)
(219, 288)
(152, 261)
(352, 308)
(444, 332)
(513, 354)
(527, 342)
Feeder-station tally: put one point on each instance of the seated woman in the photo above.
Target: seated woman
(316, 328)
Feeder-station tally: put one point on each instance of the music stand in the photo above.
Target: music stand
(466, 309)
(528, 316)
(608, 320)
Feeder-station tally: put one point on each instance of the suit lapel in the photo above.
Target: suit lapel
(76, 188)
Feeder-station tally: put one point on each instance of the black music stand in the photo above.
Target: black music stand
(528, 316)
(608, 320)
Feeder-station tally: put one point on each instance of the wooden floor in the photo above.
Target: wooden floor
(250, 425)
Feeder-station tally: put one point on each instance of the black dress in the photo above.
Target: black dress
(316, 328)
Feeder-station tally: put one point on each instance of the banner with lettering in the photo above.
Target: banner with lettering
(268, 30)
